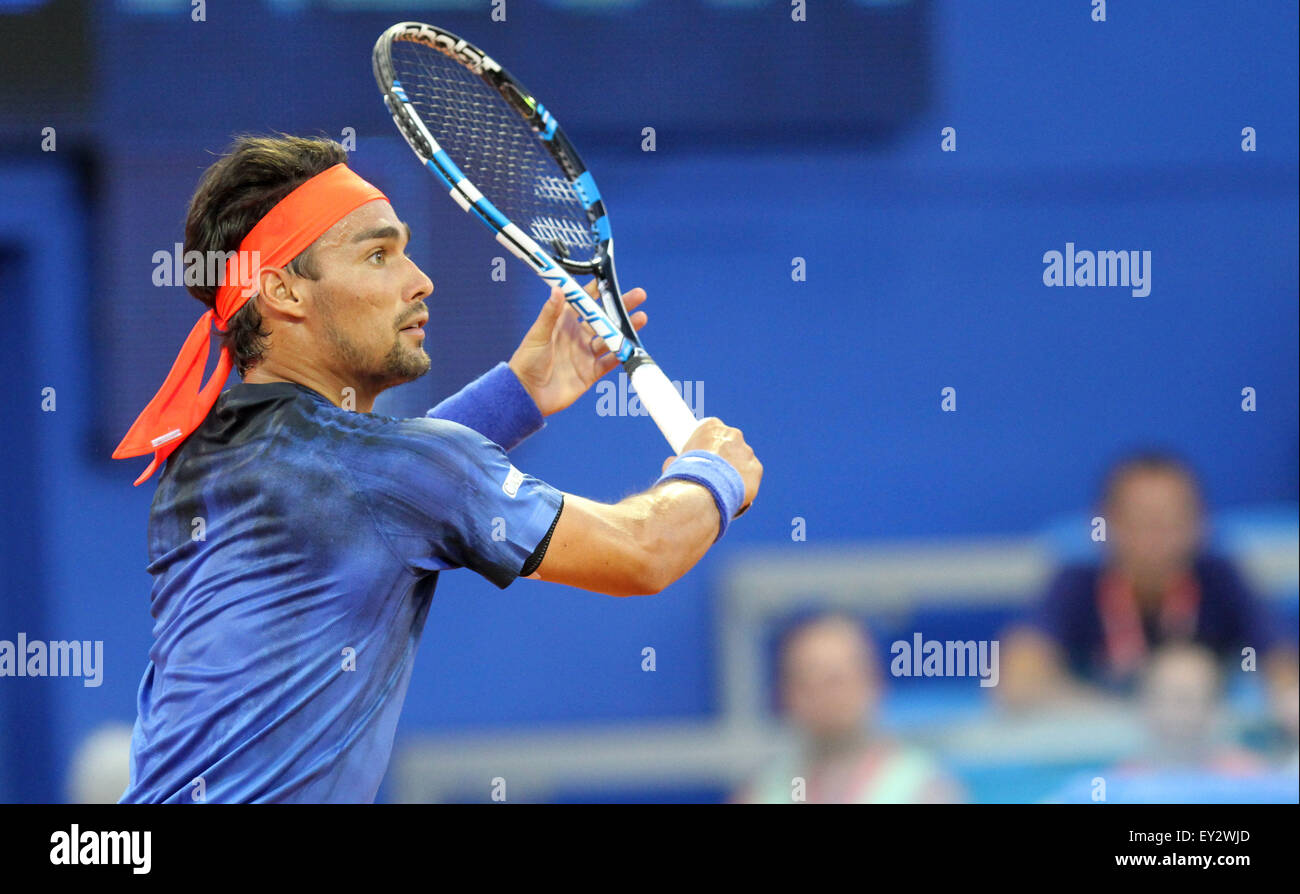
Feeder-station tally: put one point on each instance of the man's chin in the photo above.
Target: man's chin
(407, 377)
(413, 366)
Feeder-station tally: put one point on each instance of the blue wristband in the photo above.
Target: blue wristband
(715, 473)
(496, 406)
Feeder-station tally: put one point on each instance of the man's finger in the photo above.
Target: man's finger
(634, 298)
(631, 300)
(551, 311)
(597, 344)
(605, 364)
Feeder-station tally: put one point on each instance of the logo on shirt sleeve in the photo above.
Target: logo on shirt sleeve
(512, 482)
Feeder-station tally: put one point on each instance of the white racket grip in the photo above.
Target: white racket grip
(664, 404)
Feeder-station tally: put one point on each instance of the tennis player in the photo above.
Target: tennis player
(295, 537)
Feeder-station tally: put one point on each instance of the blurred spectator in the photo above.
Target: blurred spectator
(1286, 714)
(1186, 756)
(1098, 624)
(1181, 696)
(101, 766)
(830, 687)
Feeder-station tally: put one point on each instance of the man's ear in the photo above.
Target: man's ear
(276, 291)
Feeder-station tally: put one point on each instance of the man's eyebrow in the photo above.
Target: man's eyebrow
(385, 232)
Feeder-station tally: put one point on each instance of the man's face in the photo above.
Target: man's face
(1155, 522)
(367, 306)
(829, 685)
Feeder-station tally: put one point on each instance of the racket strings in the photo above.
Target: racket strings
(495, 148)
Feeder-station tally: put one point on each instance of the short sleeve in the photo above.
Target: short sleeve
(1055, 612)
(444, 496)
(1236, 616)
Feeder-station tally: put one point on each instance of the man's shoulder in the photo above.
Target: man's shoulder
(416, 454)
(320, 416)
(1215, 567)
(1220, 579)
(418, 434)
(1076, 578)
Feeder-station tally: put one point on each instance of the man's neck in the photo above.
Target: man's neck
(348, 397)
(1151, 587)
(829, 749)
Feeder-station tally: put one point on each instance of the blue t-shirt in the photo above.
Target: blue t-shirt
(295, 547)
(1228, 617)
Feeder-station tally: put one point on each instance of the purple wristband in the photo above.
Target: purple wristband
(716, 474)
(496, 406)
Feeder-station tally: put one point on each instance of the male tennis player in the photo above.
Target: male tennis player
(295, 537)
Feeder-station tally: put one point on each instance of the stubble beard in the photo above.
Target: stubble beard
(403, 363)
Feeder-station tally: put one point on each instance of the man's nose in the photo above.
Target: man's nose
(424, 285)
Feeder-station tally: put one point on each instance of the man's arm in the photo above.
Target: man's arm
(644, 543)
(496, 405)
(633, 548)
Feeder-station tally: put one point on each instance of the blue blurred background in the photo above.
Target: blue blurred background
(776, 140)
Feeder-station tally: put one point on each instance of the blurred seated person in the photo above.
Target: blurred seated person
(1285, 714)
(1098, 624)
(829, 688)
(1181, 696)
(1185, 757)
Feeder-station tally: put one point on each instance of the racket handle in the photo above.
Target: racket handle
(664, 404)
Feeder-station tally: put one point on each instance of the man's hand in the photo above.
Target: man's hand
(561, 357)
(716, 436)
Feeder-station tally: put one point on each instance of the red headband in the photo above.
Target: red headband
(291, 226)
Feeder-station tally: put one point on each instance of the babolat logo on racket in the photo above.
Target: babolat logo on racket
(455, 47)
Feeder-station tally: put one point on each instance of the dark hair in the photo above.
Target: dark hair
(236, 192)
(805, 618)
(1164, 461)
(794, 624)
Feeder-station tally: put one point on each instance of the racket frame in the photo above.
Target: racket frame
(611, 322)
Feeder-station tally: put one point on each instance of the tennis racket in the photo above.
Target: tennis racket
(503, 158)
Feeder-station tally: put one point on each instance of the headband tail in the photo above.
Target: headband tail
(169, 417)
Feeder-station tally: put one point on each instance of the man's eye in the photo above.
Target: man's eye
(377, 253)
